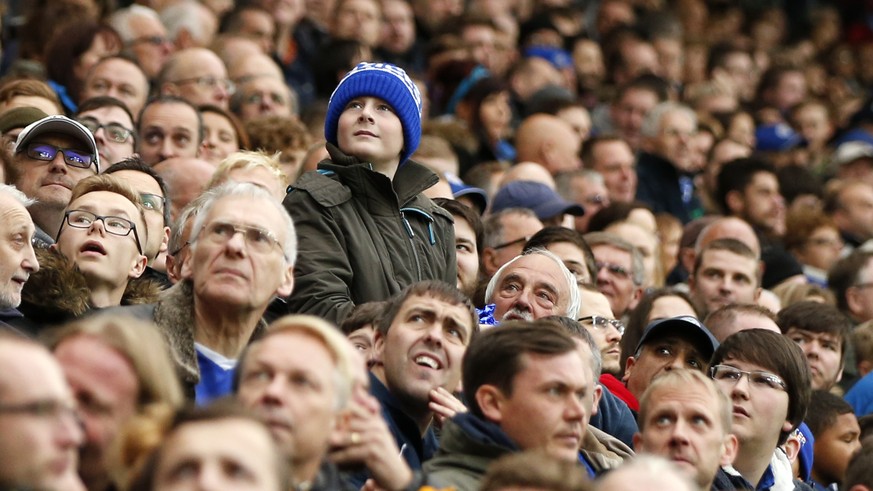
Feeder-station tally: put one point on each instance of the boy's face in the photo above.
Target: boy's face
(362, 340)
(823, 353)
(834, 447)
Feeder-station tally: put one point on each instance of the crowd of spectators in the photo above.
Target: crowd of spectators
(436, 245)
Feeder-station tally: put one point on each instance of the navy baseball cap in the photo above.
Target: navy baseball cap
(686, 327)
(536, 196)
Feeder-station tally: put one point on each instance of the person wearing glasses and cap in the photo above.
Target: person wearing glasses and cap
(366, 230)
(49, 158)
(97, 258)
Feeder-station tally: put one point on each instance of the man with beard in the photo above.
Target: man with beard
(533, 285)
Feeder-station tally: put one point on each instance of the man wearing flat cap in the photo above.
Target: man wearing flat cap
(49, 158)
(667, 344)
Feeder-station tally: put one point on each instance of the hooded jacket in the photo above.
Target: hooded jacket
(59, 293)
(363, 237)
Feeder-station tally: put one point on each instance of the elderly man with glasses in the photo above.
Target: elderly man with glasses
(97, 257)
(50, 156)
(241, 254)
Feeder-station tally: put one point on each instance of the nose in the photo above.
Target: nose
(29, 263)
(675, 363)
(741, 388)
(70, 433)
(274, 390)
(679, 435)
(612, 334)
(366, 113)
(575, 408)
(100, 224)
(434, 334)
(236, 243)
(167, 149)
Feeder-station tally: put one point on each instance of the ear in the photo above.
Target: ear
(169, 264)
(686, 257)
(165, 241)
(628, 368)
(757, 295)
(54, 247)
(734, 201)
(854, 300)
(598, 393)
(731, 447)
(287, 285)
(138, 267)
(169, 88)
(635, 298)
(489, 260)
(490, 400)
(187, 271)
(378, 345)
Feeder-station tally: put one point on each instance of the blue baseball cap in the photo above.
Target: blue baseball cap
(536, 196)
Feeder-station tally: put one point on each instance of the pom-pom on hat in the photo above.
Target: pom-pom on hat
(387, 82)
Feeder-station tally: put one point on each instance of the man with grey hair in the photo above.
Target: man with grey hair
(506, 232)
(144, 37)
(620, 271)
(241, 255)
(17, 259)
(666, 166)
(533, 285)
(190, 24)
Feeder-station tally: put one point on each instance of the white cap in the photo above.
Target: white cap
(59, 125)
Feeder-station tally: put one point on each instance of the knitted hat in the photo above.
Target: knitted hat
(387, 82)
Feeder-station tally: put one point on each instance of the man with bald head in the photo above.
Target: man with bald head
(198, 76)
(736, 317)
(118, 77)
(549, 141)
(186, 178)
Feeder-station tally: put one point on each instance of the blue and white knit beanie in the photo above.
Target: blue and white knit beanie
(387, 82)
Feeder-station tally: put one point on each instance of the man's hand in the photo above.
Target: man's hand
(444, 405)
(365, 439)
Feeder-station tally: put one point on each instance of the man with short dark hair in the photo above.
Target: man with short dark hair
(766, 378)
(725, 272)
(528, 387)
(822, 332)
(668, 344)
(837, 438)
(168, 127)
(419, 343)
(50, 157)
(111, 123)
(851, 279)
(736, 317)
(749, 189)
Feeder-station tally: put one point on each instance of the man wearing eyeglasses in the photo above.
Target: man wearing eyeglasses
(97, 257)
(153, 192)
(505, 234)
(41, 432)
(768, 381)
(620, 271)
(111, 123)
(241, 254)
(144, 36)
(49, 158)
(198, 76)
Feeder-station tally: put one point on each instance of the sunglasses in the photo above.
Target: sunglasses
(47, 153)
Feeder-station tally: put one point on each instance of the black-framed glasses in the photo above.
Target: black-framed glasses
(112, 224)
(757, 378)
(256, 238)
(153, 202)
(520, 240)
(209, 82)
(599, 322)
(47, 153)
(115, 131)
(614, 269)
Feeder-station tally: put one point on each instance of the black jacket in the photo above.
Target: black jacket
(363, 238)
